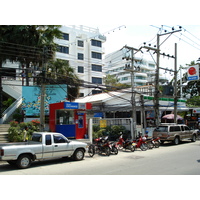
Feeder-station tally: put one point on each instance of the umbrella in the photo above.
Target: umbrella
(171, 116)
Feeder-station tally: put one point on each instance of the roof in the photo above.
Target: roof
(102, 97)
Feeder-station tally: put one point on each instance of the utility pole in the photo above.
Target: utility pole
(157, 92)
(42, 94)
(175, 85)
(156, 104)
(133, 103)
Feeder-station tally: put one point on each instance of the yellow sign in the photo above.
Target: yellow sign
(103, 123)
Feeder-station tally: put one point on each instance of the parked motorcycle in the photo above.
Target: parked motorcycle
(152, 142)
(102, 146)
(113, 148)
(140, 142)
(157, 142)
(125, 144)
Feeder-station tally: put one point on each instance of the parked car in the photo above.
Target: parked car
(175, 133)
(42, 146)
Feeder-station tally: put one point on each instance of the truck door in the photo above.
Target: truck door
(187, 132)
(47, 147)
(61, 146)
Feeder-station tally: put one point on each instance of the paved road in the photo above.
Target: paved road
(183, 159)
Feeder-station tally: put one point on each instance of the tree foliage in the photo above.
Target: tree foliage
(62, 73)
(28, 44)
(112, 83)
(19, 132)
(193, 102)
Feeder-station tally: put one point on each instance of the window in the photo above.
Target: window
(80, 69)
(96, 55)
(161, 129)
(65, 36)
(174, 128)
(59, 139)
(96, 91)
(80, 43)
(64, 117)
(97, 68)
(36, 137)
(80, 56)
(186, 128)
(48, 139)
(63, 49)
(124, 78)
(96, 43)
(96, 80)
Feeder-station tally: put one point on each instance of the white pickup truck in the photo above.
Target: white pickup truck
(42, 146)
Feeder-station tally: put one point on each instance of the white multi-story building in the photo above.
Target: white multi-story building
(82, 47)
(115, 65)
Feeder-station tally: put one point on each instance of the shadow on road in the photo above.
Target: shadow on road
(169, 144)
(7, 167)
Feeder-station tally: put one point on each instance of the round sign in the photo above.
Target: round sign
(192, 71)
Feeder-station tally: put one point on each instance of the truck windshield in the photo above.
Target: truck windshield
(161, 129)
(36, 137)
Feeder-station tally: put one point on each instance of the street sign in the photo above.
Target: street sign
(193, 73)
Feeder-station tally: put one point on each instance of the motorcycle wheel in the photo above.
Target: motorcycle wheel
(132, 148)
(143, 147)
(97, 150)
(91, 151)
(150, 145)
(157, 144)
(107, 151)
(115, 150)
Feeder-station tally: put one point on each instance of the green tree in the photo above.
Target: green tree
(112, 83)
(59, 72)
(28, 44)
(193, 102)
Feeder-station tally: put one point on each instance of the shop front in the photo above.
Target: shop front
(69, 118)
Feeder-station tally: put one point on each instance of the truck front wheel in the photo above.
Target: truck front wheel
(24, 161)
(78, 154)
(193, 138)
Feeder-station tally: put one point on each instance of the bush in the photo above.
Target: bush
(19, 132)
(112, 131)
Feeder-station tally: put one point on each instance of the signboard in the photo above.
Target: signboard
(70, 105)
(196, 110)
(103, 123)
(31, 98)
(193, 73)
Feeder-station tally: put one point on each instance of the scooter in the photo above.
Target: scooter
(122, 144)
(102, 146)
(140, 142)
(152, 142)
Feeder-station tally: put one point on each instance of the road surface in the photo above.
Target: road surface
(183, 159)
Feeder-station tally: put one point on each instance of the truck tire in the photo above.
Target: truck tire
(176, 140)
(78, 154)
(24, 161)
(194, 138)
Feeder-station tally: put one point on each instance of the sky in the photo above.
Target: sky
(188, 41)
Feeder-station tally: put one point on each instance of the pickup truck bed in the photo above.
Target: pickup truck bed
(18, 143)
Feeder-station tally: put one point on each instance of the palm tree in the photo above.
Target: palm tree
(60, 72)
(29, 44)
